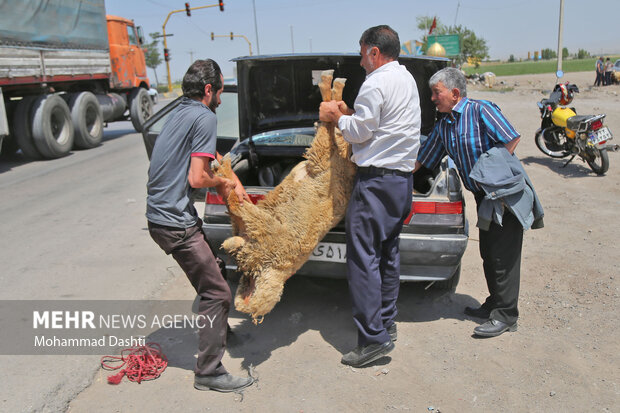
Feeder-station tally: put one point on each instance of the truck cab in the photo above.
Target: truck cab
(126, 55)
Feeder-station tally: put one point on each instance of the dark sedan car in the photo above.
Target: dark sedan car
(270, 117)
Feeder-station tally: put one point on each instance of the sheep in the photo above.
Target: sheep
(275, 237)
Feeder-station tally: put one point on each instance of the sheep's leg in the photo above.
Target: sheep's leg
(338, 88)
(317, 161)
(343, 147)
(325, 85)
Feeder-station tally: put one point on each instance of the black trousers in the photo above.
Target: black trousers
(600, 79)
(190, 249)
(500, 249)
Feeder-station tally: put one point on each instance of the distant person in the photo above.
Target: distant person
(181, 160)
(481, 142)
(600, 72)
(384, 130)
(609, 68)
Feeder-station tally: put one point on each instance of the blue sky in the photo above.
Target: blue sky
(509, 27)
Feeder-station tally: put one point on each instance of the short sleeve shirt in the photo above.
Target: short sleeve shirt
(190, 130)
(469, 130)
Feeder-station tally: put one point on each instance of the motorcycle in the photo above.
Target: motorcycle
(562, 132)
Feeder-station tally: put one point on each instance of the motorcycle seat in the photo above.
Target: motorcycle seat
(573, 122)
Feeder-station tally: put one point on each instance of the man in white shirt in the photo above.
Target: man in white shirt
(384, 130)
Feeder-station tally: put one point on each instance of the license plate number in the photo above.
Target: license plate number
(598, 136)
(330, 252)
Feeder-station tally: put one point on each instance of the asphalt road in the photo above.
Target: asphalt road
(62, 222)
(74, 228)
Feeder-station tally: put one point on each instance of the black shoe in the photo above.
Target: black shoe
(494, 328)
(224, 382)
(479, 312)
(367, 354)
(392, 332)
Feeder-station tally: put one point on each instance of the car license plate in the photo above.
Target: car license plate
(601, 135)
(329, 251)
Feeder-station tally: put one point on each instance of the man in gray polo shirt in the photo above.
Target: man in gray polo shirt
(181, 160)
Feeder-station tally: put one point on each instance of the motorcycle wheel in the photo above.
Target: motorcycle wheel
(551, 146)
(598, 160)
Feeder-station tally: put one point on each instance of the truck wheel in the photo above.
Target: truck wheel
(87, 118)
(140, 107)
(51, 126)
(22, 130)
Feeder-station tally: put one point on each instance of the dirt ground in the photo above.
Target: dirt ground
(564, 357)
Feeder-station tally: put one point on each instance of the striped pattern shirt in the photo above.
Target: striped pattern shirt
(469, 130)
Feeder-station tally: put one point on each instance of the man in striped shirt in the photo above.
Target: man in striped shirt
(467, 129)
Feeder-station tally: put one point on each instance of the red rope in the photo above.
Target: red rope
(142, 363)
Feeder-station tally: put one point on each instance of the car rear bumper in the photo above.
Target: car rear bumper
(423, 257)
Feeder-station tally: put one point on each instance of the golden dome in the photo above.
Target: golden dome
(436, 50)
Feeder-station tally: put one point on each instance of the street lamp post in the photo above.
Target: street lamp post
(187, 11)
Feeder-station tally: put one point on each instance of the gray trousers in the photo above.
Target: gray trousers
(190, 249)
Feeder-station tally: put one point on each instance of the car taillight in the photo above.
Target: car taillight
(214, 199)
(425, 207)
(596, 125)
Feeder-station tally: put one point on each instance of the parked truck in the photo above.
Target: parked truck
(66, 69)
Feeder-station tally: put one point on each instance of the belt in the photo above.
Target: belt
(376, 171)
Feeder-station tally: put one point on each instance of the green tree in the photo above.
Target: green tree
(582, 54)
(152, 57)
(547, 54)
(471, 45)
(424, 24)
(565, 53)
(511, 59)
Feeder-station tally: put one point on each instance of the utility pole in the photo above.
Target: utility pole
(186, 10)
(255, 28)
(292, 42)
(457, 12)
(559, 72)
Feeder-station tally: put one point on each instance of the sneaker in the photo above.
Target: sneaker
(363, 355)
(224, 383)
(392, 332)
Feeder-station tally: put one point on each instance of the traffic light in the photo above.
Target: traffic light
(188, 10)
(221, 5)
(167, 55)
(212, 36)
(231, 35)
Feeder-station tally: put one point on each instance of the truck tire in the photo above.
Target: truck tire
(140, 107)
(22, 128)
(87, 118)
(52, 129)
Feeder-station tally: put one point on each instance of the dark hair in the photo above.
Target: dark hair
(200, 74)
(384, 38)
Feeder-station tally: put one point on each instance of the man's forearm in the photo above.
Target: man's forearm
(511, 146)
